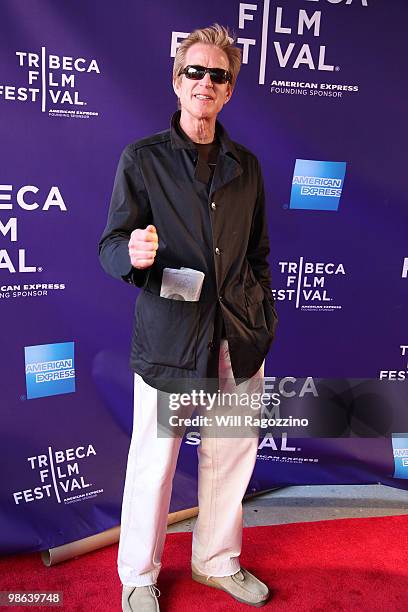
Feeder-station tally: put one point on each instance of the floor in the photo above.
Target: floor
(316, 503)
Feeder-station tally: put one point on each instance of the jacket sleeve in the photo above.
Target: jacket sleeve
(258, 245)
(129, 210)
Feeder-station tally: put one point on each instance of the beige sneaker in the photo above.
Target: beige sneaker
(140, 599)
(242, 586)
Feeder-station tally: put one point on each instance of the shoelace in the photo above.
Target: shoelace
(154, 590)
(238, 575)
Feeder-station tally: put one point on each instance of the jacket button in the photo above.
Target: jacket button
(213, 205)
(221, 298)
(210, 345)
(217, 250)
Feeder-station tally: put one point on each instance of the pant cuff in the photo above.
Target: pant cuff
(141, 579)
(225, 567)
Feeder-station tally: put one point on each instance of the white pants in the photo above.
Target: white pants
(225, 468)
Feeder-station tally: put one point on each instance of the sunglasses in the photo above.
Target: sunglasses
(217, 75)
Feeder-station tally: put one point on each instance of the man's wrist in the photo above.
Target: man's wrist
(136, 276)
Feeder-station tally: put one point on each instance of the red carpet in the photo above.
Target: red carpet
(340, 565)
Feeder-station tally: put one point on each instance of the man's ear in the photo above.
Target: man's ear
(228, 93)
(176, 86)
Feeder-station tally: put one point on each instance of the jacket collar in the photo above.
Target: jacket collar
(180, 140)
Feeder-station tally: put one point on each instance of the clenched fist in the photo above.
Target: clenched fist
(143, 245)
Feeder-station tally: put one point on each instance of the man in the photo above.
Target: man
(190, 197)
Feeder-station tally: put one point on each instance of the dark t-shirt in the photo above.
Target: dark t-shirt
(206, 162)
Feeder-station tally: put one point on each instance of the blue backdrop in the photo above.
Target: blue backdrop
(321, 100)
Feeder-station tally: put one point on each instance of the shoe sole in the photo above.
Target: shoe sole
(203, 580)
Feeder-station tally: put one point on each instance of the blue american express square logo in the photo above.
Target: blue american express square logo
(49, 369)
(400, 452)
(317, 185)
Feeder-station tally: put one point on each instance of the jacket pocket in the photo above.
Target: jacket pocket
(167, 330)
(254, 296)
(271, 317)
(261, 312)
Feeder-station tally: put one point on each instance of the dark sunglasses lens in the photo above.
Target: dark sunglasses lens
(195, 72)
(218, 75)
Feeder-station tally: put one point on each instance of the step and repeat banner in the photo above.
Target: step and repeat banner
(321, 100)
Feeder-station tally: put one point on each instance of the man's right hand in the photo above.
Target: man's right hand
(143, 245)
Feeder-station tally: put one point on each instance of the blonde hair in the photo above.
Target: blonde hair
(216, 35)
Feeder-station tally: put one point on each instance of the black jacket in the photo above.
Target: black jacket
(223, 233)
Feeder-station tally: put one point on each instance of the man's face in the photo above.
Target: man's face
(203, 99)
